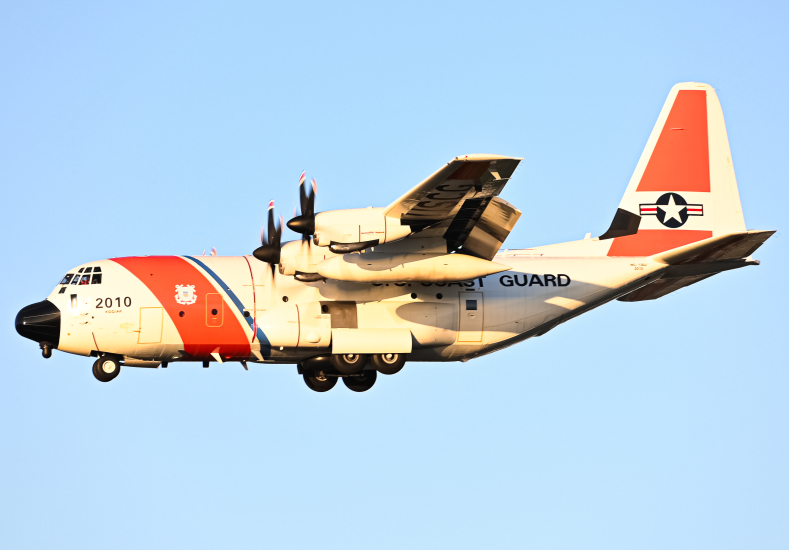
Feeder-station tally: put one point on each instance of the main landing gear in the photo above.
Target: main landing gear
(106, 368)
(321, 373)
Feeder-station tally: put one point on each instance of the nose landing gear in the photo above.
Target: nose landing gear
(106, 368)
(46, 349)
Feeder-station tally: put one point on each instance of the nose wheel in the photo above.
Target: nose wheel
(106, 369)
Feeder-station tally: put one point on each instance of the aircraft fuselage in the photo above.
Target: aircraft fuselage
(206, 308)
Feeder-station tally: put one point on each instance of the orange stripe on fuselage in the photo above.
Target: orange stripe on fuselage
(651, 241)
(161, 274)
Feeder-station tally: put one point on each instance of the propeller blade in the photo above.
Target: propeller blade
(213, 251)
(304, 223)
(311, 199)
(303, 193)
(270, 248)
(271, 223)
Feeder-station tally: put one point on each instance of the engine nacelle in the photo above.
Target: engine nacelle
(356, 226)
(376, 267)
(299, 256)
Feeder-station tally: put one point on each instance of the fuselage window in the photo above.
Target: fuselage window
(85, 280)
(471, 305)
(66, 279)
(96, 280)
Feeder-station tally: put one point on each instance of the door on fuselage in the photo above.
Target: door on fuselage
(150, 325)
(214, 309)
(471, 317)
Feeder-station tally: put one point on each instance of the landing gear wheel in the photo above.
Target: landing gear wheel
(106, 369)
(388, 363)
(349, 363)
(361, 382)
(318, 381)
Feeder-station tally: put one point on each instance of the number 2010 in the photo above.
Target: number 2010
(107, 302)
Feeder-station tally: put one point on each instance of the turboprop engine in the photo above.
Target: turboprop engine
(299, 259)
(355, 229)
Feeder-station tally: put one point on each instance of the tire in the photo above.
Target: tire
(319, 382)
(350, 363)
(388, 363)
(361, 382)
(106, 369)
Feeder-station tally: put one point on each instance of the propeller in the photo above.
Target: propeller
(305, 222)
(270, 248)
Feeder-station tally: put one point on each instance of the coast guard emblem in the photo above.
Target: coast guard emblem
(185, 294)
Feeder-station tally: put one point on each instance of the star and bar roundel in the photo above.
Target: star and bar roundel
(672, 210)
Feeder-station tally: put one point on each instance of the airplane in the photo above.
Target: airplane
(423, 279)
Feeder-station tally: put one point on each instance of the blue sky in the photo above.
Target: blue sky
(165, 128)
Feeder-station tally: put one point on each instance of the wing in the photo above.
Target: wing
(459, 203)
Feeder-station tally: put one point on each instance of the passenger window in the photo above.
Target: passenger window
(471, 305)
(66, 279)
(88, 269)
(96, 280)
(85, 280)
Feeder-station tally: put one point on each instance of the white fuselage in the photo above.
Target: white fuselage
(186, 308)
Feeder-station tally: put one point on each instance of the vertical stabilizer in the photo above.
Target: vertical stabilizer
(683, 189)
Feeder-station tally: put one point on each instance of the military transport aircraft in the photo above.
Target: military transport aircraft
(422, 279)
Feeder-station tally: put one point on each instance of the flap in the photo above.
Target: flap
(449, 202)
(371, 340)
(485, 237)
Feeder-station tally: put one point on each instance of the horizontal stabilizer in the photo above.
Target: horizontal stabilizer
(732, 246)
(695, 262)
(660, 288)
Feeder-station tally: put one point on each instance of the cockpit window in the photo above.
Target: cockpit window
(96, 270)
(75, 280)
(67, 279)
(81, 269)
(85, 280)
(96, 279)
(88, 269)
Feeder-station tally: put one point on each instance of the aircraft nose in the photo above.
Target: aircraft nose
(40, 322)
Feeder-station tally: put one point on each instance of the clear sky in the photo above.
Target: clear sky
(164, 128)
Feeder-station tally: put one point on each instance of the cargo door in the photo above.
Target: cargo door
(214, 309)
(150, 325)
(471, 316)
